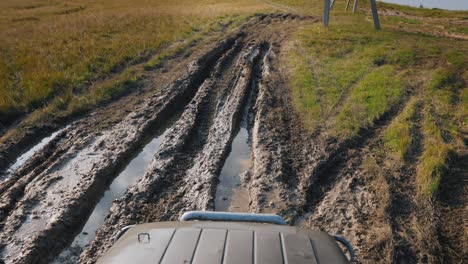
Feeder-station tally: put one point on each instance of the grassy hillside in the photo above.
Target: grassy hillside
(346, 77)
(56, 49)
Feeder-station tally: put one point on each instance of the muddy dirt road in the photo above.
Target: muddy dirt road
(213, 130)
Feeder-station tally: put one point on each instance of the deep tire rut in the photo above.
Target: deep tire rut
(342, 187)
(46, 202)
(348, 194)
(53, 198)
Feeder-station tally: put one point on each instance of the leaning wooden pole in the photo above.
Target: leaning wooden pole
(347, 5)
(355, 6)
(375, 14)
(332, 4)
(326, 13)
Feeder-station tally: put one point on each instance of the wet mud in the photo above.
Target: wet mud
(232, 142)
(231, 195)
(42, 205)
(129, 176)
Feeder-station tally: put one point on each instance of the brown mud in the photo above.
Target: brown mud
(231, 87)
(452, 207)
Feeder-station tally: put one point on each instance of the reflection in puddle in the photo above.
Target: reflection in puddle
(31, 223)
(230, 194)
(28, 154)
(129, 176)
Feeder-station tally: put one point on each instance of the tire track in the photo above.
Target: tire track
(350, 194)
(403, 207)
(273, 179)
(49, 204)
(184, 173)
(184, 170)
(201, 179)
(452, 212)
(47, 201)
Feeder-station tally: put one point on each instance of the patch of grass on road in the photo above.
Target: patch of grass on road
(373, 96)
(434, 159)
(325, 65)
(445, 120)
(398, 136)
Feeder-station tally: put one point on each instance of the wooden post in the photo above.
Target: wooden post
(332, 4)
(347, 5)
(326, 13)
(375, 15)
(355, 6)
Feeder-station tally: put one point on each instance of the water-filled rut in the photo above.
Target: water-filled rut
(231, 195)
(237, 145)
(67, 201)
(128, 176)
(44, 207)
(232, 191)
(28, 154)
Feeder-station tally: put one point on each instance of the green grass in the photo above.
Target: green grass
(443, 78)
(345, 77)
(461, 112)
(304, 97)
(398, 137)
(402, 20)
(434, 159)
(423, 13)
(444, 120)
(373, 96)
(325, 65)
(70, 103)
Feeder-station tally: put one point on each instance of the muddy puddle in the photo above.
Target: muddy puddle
(28, 154)
(231, 195)
(129, 176)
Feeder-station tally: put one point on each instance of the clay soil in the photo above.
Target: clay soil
(312, 181)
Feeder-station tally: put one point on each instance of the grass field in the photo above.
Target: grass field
(346, 77)
(53, 49)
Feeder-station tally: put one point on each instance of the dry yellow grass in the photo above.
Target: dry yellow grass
(49, 48)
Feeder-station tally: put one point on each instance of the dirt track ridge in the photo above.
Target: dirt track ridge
(311, 180)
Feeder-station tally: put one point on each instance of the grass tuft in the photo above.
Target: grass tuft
(442, 78)
(441, 131)
(434, 159)
(398, 137)
(374, 95)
